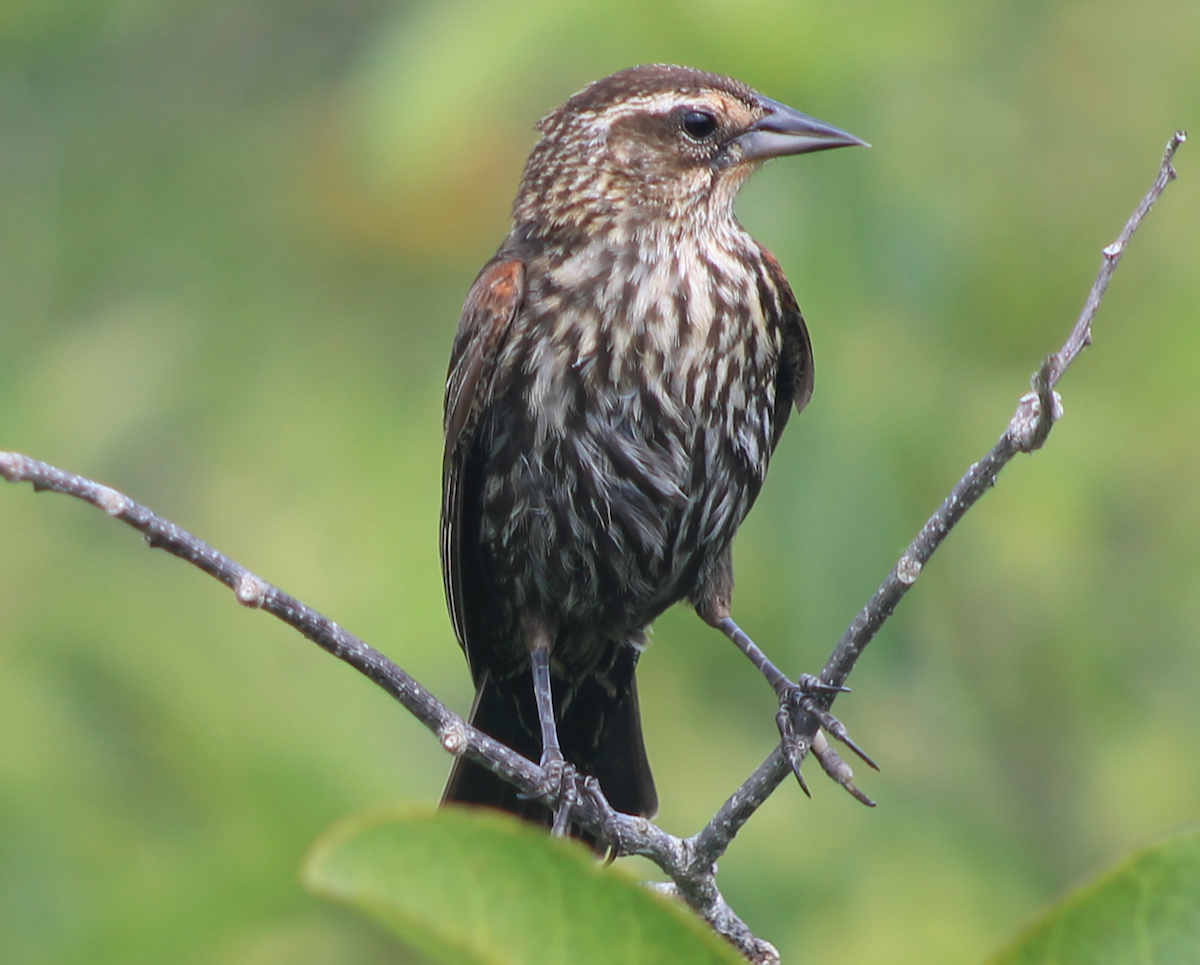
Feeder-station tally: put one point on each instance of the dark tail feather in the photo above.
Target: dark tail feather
(601, 734)
(496, 712)
(599, 728)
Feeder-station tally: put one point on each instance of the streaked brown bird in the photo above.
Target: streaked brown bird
(623, 369)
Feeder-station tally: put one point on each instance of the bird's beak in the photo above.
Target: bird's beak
(786, 131)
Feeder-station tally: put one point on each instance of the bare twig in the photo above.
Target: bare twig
(252, 591)
(690, 862)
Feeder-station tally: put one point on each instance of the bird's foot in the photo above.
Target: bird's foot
(610, 839)
(558, 791)
(795, 702)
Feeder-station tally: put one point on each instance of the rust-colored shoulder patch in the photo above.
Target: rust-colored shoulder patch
(497, 289)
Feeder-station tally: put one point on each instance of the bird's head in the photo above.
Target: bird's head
(656, 140)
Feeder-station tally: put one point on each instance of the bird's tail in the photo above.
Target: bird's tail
(599, 730)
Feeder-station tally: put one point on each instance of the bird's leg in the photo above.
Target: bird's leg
(796, 698)
(560, 776)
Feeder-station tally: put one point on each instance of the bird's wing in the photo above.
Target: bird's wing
(483, 329)
(795, 386)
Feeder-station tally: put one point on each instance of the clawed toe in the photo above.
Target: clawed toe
(794, 745)
(799, 699)
(610, 838)
(559, 789)
(809, 685)
(837, 769)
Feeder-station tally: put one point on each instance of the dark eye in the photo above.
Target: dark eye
(698, 125)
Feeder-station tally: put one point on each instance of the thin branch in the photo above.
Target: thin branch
(690, 862)
(456, 735)
(1081, 335)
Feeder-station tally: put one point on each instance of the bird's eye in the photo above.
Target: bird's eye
(698, 125)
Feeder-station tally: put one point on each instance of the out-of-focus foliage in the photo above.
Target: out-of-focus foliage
(234, 240)
(1146, 910)
(485, 888)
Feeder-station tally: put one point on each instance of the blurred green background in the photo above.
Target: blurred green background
(234, 240)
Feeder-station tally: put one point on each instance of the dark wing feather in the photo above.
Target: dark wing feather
(795, 385)
(483, 329)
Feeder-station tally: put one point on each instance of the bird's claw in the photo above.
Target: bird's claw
(808, 685)
(794, 745)
(611, 836)
(558, 791)
(798, 700)
(838, 770)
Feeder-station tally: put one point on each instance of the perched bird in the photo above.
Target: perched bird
(623, 369)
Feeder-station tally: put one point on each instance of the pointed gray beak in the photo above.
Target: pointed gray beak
(786, 131)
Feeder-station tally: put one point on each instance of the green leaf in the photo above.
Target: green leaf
(470, 887)
(1144, 911)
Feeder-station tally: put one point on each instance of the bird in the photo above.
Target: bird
(622, 371)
